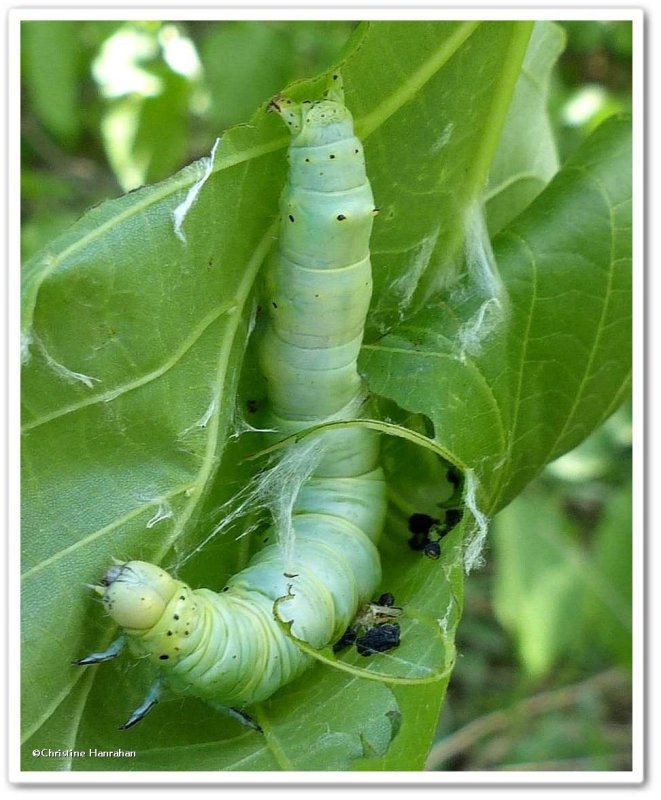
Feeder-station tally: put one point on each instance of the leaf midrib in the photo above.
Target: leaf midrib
(410, 87)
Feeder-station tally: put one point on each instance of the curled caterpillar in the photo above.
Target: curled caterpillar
(228, 648)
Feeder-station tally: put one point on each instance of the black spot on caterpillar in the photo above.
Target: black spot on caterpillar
(202, 655)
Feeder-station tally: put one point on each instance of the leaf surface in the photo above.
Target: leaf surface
(513, 380)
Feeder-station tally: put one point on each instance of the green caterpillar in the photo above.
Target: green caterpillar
(227, 648)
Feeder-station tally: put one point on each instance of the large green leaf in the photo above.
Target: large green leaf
(512, 380)
(137, 376)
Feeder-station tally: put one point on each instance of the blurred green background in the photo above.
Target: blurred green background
(543, 676)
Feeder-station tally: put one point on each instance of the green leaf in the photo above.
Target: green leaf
(431, 124)
(513, 380)
(527, 157)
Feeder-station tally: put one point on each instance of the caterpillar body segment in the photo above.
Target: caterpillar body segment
(228, 648)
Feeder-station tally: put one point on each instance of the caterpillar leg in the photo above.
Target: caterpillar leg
(106, 655)
(145, 707)
(237, 714)
(244, 719)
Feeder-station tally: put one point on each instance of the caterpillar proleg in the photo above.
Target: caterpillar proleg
(228, 648)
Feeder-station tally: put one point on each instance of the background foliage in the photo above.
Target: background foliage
(520, 699)
(111, 106)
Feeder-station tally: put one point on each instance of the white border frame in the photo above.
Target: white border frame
(341, 10)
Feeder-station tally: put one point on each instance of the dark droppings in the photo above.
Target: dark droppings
(379, 639)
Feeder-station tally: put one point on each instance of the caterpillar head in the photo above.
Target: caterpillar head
(316, 122)
(136, 594)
